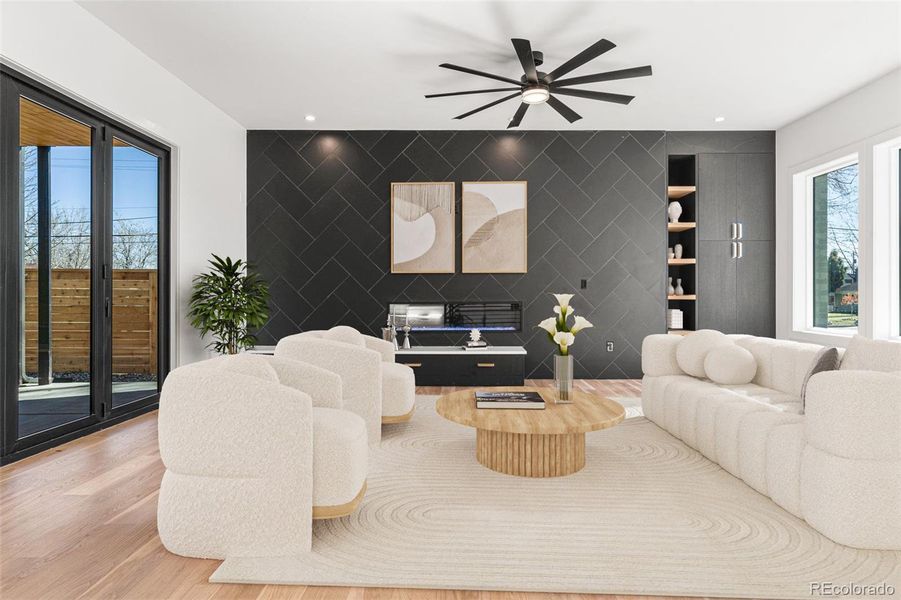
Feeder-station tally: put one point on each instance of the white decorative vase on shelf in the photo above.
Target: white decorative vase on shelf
(674, 210)
(677, 249)
(670, 289)
(670, 254)
(680, 291)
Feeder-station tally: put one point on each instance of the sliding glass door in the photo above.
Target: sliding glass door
(84, 281)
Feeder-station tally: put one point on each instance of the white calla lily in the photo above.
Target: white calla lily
(549, 325)
(564, 339)
(580, 324)
(566, 311)
(563, 299)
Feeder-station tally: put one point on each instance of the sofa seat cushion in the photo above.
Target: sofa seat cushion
(654, 393)
(785, 446)
(754, 445)
(757, 393)
(398, 389)
(693, 348)
(340, 452)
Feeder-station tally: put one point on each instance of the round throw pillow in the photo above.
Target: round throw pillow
(730, 364)
(693, 349)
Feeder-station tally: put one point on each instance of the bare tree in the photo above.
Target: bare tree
(843, 223)
(134, 239)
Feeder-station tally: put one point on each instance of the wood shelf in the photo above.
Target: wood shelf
(671, 227)
(674, 192)
(679, 331)
(683, 297)
(682, 261)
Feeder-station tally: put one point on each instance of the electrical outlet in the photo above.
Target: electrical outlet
(584, 284)
(609, 346)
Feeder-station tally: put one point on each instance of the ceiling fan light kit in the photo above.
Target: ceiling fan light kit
(536, 87)
(535, 94)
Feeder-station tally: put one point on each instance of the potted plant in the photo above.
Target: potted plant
(228, 303)
(563, 335)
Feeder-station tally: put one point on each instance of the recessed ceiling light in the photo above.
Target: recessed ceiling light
(310, 117)
(720, 119)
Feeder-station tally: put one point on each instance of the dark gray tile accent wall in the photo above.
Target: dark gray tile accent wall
(318, 230)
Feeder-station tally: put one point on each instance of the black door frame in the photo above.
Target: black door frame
(112, 132)
(13, 85)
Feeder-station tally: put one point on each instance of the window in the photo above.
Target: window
(836, 240)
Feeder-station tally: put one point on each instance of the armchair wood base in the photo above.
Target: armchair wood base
(339, 510)
(399, 418)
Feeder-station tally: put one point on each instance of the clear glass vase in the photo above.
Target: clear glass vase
(563, 378)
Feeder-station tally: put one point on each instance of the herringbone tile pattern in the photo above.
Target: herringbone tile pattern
(318, 229)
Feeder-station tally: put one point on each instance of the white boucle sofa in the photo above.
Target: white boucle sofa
(255, 448)
(375, 386)
(837, 465)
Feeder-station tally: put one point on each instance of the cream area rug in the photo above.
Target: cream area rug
(647, 515)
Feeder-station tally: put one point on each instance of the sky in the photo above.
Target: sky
(134, 182)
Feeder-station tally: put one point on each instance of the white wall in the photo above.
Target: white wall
(63, 45)
(856, 123)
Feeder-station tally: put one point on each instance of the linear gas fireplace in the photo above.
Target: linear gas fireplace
(457, 316)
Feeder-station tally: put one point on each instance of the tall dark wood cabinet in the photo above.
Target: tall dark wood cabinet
(736, 243)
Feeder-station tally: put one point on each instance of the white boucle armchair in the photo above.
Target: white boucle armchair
(375, 387)
(255, 448)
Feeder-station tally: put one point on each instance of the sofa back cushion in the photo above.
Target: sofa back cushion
(872, 355)
(344, 334)
(781, 364)
(693, 349)
(251, 365)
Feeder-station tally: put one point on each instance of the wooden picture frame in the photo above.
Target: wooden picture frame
(495, 227)
(423, 227)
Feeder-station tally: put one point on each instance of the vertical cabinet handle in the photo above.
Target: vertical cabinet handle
(733, 230)
(740, 249)
(740, 232)
(733, 250)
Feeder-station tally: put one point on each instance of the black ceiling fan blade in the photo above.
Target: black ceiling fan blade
(589, 53)
(506, 89)
(527, 60)
(517, 118)
(489, 105)
(603, 96)
(565, 111)
(608, 76)
(479, 73)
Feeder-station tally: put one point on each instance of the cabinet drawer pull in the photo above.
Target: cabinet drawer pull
(413, 365)
(485, 365)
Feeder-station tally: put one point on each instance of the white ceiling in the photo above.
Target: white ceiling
(366, 65)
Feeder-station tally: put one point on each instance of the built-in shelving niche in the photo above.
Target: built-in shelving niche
(682, 186)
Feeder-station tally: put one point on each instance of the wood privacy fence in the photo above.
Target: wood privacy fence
(134, 320)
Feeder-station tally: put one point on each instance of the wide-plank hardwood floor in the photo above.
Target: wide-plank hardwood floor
(79, 521)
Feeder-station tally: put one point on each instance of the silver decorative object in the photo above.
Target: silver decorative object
(406, 329)
(563, 378)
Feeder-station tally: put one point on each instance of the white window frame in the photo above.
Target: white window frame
(887, 240)
(802, 204)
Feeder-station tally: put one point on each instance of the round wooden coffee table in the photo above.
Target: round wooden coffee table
(532, 443)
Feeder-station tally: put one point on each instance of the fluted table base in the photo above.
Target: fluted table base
(530, 454)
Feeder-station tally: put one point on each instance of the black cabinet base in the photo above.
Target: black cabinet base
(466, 369)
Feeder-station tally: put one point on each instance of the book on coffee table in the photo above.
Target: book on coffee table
(516, 400)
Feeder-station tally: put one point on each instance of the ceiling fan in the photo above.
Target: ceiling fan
(535, 86)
